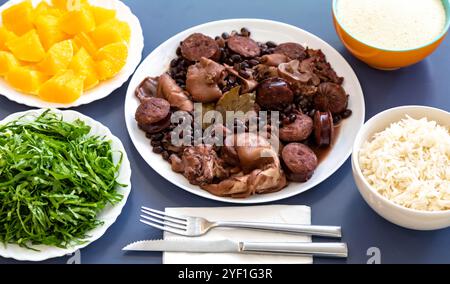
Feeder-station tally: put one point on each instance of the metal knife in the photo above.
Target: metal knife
(325, 250)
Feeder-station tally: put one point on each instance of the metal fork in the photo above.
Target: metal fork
(195, 226)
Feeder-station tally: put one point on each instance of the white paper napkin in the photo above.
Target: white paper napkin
(277, 214)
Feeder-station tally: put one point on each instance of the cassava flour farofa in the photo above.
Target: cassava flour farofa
(393, 24)
(409, 163)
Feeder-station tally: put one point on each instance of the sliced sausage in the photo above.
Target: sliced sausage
(158, 126)
(244, 46)
(292, 50)
(323, 128)
(300, 161)
(331, 97)
(153, 115)
(199, 45)
(274, 94)
(298, 131)
(152, 111)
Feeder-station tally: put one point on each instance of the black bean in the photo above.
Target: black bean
(174, 63)
(253, 62)
(289, 109)
(231, 79)
(245, 32)
(155, 143)
(292, 118)
(347, 114)
(228, 61)
(166, 155)
(236, 58)
(271, 44)
(158, 137)
(244, 74)
(225, 35)
(312, 113)
(244, 65)
(337, 119)
(158, 150)
(180, 75)
(179, 51)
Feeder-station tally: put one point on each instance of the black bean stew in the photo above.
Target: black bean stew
(265, 80)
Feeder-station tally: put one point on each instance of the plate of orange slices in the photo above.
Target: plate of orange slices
(66, 53)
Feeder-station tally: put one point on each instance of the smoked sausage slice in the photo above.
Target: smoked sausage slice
(292, 50)
(244, 46)
(153, 115)
(199, 45)
(323, 128)
(298, 131)
(300, 161)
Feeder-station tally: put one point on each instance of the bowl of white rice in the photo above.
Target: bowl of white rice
(401, 165)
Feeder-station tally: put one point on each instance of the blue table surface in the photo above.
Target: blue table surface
(334, 202)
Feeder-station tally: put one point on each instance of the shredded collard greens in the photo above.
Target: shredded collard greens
(54, 180)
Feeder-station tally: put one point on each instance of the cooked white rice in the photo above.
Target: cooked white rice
(409, 163)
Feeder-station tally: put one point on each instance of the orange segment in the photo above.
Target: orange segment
(110, 32)
(82, 40)
(44, 9)
(83, 64)
(69, 5)
(63, 88)
(7, 62)
(47, 27)
(58, 58)
(102, 15)
(27, 47)
(19, 18)
(5, 36)
(77, 21)
(111, 59)
(25, 79)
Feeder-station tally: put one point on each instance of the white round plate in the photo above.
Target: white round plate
(105, 88)
(108, 216)
(262, 30)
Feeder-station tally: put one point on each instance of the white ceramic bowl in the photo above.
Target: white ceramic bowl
(399, 215)
(108, 216)
(262, 30)
(105, 88)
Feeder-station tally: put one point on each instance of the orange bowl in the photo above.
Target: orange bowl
(385, 59)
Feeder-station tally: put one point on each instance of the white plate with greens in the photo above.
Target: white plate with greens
(64, 180)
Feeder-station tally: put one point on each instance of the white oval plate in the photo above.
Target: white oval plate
(108, 215)
(262, 30)
(105, 88)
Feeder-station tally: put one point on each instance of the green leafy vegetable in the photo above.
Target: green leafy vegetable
(233, 101)
(54, 180)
